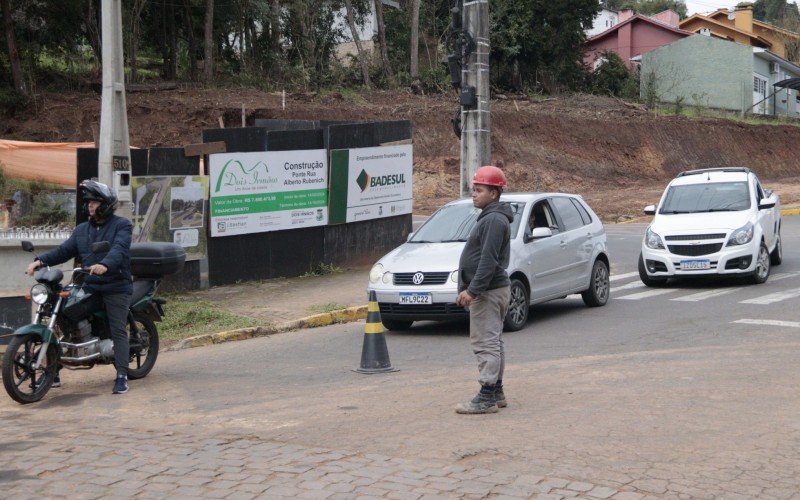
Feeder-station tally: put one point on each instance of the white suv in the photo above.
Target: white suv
(716, 221)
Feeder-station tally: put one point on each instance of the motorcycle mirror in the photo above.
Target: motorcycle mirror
(27, 246)
(101, 246)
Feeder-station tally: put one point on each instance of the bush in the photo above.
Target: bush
(12, 102)
(612, 77)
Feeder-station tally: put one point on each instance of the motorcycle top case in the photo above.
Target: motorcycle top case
(155, 260)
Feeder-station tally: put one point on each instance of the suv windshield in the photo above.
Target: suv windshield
(454, 223)
(708, 197)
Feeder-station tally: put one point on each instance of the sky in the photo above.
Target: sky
(706, 6)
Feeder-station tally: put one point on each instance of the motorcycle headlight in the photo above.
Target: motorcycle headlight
(454, 276)
(39, 293)
(375, 273)
(741, 236)
(652, 239)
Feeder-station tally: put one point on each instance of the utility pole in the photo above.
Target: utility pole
(114, 160)
(476, 149)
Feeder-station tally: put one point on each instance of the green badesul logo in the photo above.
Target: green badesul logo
(235, 174)
(364, 180)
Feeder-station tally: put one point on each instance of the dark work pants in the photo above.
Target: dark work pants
(117, 305)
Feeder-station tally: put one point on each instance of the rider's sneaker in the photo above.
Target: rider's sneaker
(120, 385)
(56, 382)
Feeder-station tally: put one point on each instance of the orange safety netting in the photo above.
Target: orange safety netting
(54, 162)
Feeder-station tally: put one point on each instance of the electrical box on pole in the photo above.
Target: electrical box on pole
(468, 65)
(114, 163)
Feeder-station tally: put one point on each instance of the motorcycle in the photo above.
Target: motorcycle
(70, 329)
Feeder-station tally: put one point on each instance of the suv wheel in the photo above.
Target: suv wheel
(776, 257)
(396, 324)
(599, 286)
(518, 307)
(646, 278)
(761, 273)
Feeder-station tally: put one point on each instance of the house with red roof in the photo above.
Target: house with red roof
(634, 35)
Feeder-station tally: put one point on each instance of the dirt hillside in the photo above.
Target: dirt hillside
(616, 155)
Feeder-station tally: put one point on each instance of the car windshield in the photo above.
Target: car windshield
(454, 223)
(708, 197)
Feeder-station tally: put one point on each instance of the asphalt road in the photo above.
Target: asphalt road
(688, 390)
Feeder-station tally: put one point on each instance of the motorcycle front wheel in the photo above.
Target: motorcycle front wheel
(22, 382)
(144, 347)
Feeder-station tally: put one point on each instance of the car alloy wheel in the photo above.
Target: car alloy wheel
(518, 307)
(762, 265)
(599, 287)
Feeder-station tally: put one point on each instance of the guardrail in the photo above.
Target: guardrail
(35, 233)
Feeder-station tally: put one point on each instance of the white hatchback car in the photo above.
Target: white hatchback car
(558, 247)
(716, 221)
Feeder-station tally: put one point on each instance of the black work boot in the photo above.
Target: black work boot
(483, 402)
(499, 395)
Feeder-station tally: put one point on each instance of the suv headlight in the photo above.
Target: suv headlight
(375, 273)
(652, 239)
(39, 293)
(741, 236)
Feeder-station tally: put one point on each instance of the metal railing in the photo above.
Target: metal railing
(35, 233)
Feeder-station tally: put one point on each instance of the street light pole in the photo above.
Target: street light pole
(476, 148)
(114, 161)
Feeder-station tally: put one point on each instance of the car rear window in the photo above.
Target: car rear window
(454, 223)
(706, 197)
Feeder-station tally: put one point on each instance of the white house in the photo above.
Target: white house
(367, 30)
(603, 21)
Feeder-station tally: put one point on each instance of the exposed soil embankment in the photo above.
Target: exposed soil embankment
(617, 155)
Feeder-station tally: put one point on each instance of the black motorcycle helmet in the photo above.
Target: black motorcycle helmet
(97, 191)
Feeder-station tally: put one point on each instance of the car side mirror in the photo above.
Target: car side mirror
(650, 210)
(538, 233)
(101, 247)
(27, 246)
(766, 203)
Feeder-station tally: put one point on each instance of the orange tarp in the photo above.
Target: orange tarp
(54, 162)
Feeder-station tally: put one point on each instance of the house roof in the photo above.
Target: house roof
(769, 56)
(725, 26)
(724, 12)
(634, 18)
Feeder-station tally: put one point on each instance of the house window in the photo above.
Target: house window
(759, 86)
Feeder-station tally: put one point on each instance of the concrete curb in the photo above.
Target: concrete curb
(324, 319)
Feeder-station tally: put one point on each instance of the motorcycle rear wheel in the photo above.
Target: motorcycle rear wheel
(144, 349)
(24, 384)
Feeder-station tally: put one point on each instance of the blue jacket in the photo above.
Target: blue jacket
(115, 230)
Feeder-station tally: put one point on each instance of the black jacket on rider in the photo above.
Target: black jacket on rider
(117, 231)
(480, 270)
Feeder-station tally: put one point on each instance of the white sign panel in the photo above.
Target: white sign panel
(380, 182)
(268, 191)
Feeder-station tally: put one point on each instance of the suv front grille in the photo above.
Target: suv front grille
(421, 310)
(695, 250)
(690, 237)
(429, 278)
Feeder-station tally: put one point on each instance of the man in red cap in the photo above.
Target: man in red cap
(484, 287)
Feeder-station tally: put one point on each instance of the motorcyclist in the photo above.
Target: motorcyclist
(109, 272)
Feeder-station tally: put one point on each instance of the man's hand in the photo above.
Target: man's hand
(97, 269)
(464, 299)
(32, 267)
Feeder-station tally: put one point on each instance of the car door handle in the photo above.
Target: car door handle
(563, 244)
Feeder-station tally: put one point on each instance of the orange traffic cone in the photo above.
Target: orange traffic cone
(374, 354)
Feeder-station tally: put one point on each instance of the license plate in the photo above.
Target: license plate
(416, 298)
(695, 264)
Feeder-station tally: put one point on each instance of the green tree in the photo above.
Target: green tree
(652, 7)
(539, 42)
(612, 77)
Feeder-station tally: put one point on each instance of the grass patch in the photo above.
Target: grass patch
(322, 269)
(324, 308)
(187, 317)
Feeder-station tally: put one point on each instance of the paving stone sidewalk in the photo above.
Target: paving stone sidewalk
(124, 463)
